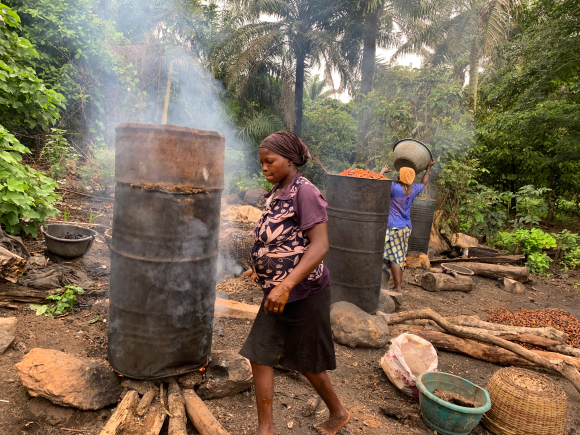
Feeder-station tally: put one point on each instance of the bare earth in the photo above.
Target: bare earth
(359, 379)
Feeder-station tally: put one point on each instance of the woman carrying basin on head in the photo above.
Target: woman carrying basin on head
(292, 328)
(399, 226)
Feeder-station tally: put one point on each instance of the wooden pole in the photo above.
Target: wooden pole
(122, 414)
(200, 416)
(167, 92)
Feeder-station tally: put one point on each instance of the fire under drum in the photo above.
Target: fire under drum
(164, 248)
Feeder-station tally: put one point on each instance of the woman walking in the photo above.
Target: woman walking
(292, 328)
(399, 225)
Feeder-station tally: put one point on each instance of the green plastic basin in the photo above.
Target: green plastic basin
(445, 417)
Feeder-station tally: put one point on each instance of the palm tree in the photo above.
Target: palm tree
(461, 30)
(303, 34)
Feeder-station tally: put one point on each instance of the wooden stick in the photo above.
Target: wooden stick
(496, 271)
(489, 260)
(161, 400)
(122, 414)
(475, 322)
(160, 417)
(9, 306)
(564, 367)
(200, 416)
(78, 223)
(145, 402)
(178, 422)
(104, 198)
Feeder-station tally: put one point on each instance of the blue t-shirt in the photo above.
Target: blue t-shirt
(400, 207)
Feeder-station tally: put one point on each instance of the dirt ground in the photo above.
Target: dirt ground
(359, 379)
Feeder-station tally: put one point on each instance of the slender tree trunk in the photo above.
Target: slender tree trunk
(473, 75)
(370, 31)
(299, 91)
(551, 204)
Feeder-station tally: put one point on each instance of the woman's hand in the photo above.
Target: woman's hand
(277, 299)
(431, 163)
(385, 169)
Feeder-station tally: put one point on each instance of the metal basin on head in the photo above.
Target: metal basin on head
(411, 153)
(164, 249)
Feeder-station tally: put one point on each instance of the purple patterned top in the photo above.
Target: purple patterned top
(400, 206)
(281, 240)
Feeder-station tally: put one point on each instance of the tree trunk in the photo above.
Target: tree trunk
(473, 75)
(551, 205)
(299, 91)
(436, 282)
(370, 31)
(496, 271)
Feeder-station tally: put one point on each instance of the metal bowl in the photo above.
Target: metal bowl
(411, 153)
(68, 248)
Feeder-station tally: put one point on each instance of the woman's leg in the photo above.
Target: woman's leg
(397, 277)
(339, 416)
(264, 386)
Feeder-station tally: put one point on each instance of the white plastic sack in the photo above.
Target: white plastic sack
(408, 357)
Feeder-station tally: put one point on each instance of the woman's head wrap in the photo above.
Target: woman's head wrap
(406, 175)
(287, 144)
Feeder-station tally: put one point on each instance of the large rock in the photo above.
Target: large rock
(387, 303)
(68, 380)
(354, 327)
(7, 332)
(228, 373)
(254, 197)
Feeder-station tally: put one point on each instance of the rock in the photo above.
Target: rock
(418, 260)
(512, 286)
(396, 296)
(68, 380)
(101, 307)
(460, 240)
(41, 409)
(387, 303)
(7, 332)
(228, 373)
(354, 327)
(191, 380)
(233, 199)
(253, 197)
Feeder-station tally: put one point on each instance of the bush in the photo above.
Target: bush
(27, 196)
(538, 263)
(99, 171)
(534, 240)
(57, 152)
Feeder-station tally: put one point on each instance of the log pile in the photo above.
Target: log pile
(146, 416)
(11, 265)
(459, 338)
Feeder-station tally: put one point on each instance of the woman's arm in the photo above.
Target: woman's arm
(317, 249)
(425, 178)
(385, 169)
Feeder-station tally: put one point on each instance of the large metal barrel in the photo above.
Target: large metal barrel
(422, 212)
(358, 211)
(164, 250)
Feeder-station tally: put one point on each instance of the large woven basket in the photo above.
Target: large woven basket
(525, 403)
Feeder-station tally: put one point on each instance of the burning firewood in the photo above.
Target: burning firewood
(178, 420)
(125, 410)
(145, 402)
(200, 416)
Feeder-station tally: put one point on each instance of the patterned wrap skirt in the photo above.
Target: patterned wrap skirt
(396, 244)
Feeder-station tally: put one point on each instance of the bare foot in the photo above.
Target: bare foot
(333, 424)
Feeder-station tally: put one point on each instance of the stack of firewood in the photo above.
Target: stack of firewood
(146, 415)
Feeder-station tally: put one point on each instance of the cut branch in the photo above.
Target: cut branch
(200, 416)
(564, 367)
(124, 411)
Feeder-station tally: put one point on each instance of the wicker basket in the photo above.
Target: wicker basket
(525, 403)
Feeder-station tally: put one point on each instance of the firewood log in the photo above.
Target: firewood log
(145, 402)
(512, 286)
(200, 416)
(122, 414)
(436, 282)
(178, 420)
(500, 259)
(563, 366)
(546, 332)
(12, 293)
(11, 265)
(496, 271)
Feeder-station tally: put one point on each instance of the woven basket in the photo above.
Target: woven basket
(525, 403)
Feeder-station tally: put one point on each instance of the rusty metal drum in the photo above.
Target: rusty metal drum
(164, 249)
(358, 211)
(411, 153)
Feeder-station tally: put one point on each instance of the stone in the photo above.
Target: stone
(7, 332)
(387, 303)
(418, 260)
(396, 296)
(68, 380)
(254, 196)
(228, 373)
(233, 199)
(354, 327)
